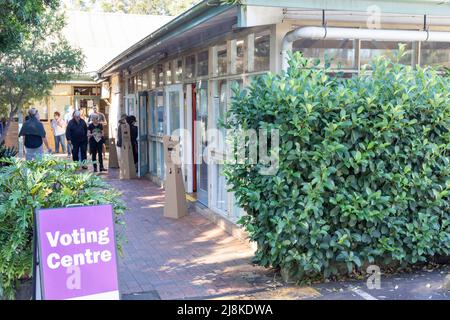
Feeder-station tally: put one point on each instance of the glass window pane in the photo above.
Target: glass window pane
(154, 159)
(161, 164)
(169, 73)
(190, 67)
(262, 52)
(160, 69)
(86, 91)
(340, 54)
(130, 85)
(174, 109)
(372, 49)
(240, 47)
(152, 101)
(159, 112)
(221, 60)
(202, 58)
(145, 80)
(436, 54)
(139, 82)
(179, 70)
(154, 78)
(220, 189)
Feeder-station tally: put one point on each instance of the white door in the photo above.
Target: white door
(176, 124)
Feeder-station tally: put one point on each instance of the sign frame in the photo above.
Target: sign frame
(38, 272)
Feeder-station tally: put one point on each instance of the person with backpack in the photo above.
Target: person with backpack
(34, 136)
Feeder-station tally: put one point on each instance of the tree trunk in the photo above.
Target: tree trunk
(8, 124)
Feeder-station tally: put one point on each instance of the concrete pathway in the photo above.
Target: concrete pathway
(176, 259)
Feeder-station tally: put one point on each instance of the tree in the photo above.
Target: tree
(157, 7)
(28, 72)
(17, 16)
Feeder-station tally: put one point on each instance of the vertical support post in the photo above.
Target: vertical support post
(20, 124)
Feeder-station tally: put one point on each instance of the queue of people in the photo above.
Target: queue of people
(76, 134)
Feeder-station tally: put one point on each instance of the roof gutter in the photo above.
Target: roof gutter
(359, 34)
(178, 21)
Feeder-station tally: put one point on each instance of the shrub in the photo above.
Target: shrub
(6, 152)
(46, 183)
(363, 168)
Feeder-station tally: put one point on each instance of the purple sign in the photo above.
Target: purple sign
(77, 253)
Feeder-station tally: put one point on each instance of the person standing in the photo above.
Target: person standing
(131, 120)
(96, 141)
(34, 136)
(101, 116)
(59, 132)
(76, 133)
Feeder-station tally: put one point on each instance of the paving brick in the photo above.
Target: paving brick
(188, 257)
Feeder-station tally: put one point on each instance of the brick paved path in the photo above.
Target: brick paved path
(177, 259)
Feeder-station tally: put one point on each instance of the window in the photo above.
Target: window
(178, 70)
(169, 72)
(222, 62)
(219, 110)
(174, 110)
(86, 91)
(340, 54)
(372, 49)
(130, 85)
(238, 64)
(159, 112)
(161, 165)
(190, 67)
(262, 52)
(220, 190)
(154, 78)
(131, 106)
(154, 159)
(160, 70)
(145, 80)
(237, 84)
(202, 66)
(139, 82)
(436, 54)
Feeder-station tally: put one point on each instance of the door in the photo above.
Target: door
(201, 119)
(178, 125)
(143, 161)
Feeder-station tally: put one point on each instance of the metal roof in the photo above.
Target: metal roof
(186, 21)
(102, 36)
(195, 20)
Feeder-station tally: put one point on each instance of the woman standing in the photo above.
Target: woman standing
(96, 141)
(131, 120)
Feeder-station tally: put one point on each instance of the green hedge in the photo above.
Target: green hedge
(46, 183)
(364, 168)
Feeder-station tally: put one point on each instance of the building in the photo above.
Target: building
(180, 76)
(101, 36)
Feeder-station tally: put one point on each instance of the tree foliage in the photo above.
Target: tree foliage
(364, 168)
(156, 7)
(17, 17)
(46, 183)
(28, 71)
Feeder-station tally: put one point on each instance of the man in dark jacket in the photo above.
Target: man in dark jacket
(76, 134)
